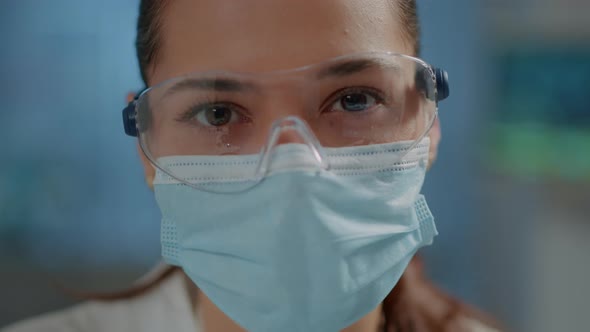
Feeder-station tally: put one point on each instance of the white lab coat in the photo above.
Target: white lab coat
(166, 308)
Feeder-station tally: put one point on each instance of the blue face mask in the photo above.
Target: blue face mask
(306, 249)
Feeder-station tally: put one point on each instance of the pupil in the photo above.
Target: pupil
(218, 116)
(354, 102)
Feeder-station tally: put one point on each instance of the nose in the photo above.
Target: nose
(292, 130)
(290, 135)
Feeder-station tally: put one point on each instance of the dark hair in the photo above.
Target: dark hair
(149, 25)
(147, 42)
(409, 18)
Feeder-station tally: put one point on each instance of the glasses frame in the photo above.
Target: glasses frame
(439, 77)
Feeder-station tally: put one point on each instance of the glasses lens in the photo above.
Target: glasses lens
(349, 101)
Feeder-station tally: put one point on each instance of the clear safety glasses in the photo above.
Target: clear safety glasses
(348, 101)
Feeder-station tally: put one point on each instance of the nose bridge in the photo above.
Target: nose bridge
(292, 130)
(289, 103)
(290, 135)
(291, 96)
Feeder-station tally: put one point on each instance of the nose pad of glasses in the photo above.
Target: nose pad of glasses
(289, 135)
(291, 145)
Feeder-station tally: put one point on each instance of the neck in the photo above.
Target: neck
(212, 318)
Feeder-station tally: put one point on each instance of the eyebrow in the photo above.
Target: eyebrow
(212, 84)
(231, 85)
(353, 67)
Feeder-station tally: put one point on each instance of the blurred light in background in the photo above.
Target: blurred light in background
(536, 165)
(510, 190)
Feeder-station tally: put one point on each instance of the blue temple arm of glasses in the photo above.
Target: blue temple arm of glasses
(442, 84)
(129, 119)
(130, 116)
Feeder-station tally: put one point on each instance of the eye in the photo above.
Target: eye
(355, 101)
(216, 115)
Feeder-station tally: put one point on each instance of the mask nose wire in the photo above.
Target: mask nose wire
(292, 124)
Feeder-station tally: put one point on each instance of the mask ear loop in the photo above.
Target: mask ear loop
(296, 124)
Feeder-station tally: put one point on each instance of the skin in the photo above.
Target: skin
(266, 35)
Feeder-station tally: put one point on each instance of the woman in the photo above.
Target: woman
(286, 142)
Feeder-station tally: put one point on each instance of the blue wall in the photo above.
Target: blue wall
(72, 192)
(452, 39)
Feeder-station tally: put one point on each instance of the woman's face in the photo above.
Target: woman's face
(266, 35)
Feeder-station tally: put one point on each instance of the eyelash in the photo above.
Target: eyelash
(375, 93)
(192, 112)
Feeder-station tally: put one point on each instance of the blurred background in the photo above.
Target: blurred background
(510, 191)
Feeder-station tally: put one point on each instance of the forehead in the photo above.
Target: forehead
(266, 35)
